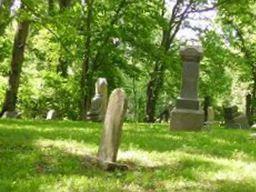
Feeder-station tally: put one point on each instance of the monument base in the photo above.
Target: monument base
(184, 103)
(187, 120)
(240, 122)
(94, 117)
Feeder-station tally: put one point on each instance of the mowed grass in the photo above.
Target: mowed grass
(49, 156)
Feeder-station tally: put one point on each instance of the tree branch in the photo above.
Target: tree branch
(38, 16)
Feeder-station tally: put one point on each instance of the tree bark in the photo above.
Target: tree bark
(62, 67)
(248, 108)
(250, 61)
(100, 56)
(50, 7)
(253, 99)
(16, 66)
(64, 4)
(85, 76)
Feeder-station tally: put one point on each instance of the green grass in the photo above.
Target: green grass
(49, 156)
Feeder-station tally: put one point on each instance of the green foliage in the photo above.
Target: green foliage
(52, 93)
(215, 79)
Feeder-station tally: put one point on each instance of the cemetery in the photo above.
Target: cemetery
(136, 96)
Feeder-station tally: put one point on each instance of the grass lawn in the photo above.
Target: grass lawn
(49, 156)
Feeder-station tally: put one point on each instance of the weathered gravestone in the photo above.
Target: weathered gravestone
(165, 114)
(111, 134)
(210, 114)
(113, 124)
(234, 119)
(51, 114)
(11, 114)
(187, 114)
(99, 101)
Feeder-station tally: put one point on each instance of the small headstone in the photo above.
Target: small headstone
(113, 124)
(210, 114)
(99, 101)
(210, 118)
(11, 114)
(51, 114)
(234, 119)
(187, 114)
(165, 114)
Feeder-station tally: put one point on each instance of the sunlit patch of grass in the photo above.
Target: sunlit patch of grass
(49, 156)
(67, 146)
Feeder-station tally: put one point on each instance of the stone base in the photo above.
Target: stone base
(187, 120)
(11, 114)
(94, 117)
(183, 103)
(105, 165)
(239, 122)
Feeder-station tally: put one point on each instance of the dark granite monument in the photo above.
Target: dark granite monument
(187, 114)
(235, 119)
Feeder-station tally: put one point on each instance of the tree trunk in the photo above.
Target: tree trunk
(253, 99)
(64, 4)
(156, 81)
(157, 77)
(150, 106)
(62, 67)
(50, 7)
(206, 105)
(85, 76)
(16, 65)
(248, 107)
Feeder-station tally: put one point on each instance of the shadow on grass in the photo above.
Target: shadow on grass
(219, 142)
(26, 166)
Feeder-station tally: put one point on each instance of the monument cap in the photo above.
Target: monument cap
(191, 53)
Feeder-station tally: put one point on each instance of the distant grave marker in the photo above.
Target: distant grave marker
(187, 115)
(99, 101)
(234, 119)
(11, 114)
(51, 114)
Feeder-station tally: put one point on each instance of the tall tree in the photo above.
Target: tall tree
(16, 66)
(86, 62)
(179, 13)
(62, 67)
(239, 30)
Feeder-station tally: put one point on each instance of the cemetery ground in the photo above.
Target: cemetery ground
(49, 156)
